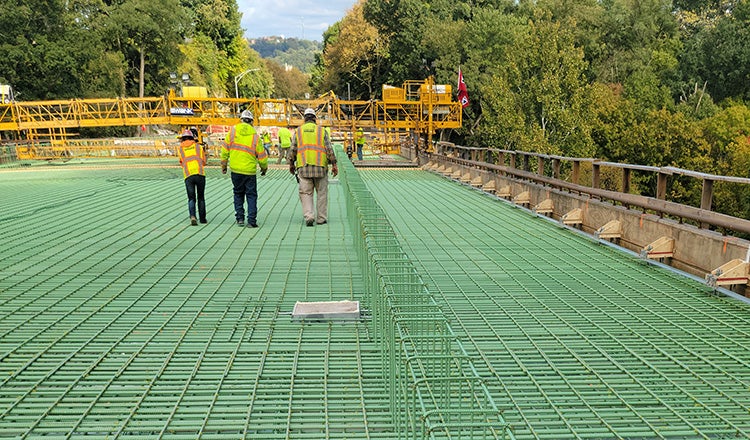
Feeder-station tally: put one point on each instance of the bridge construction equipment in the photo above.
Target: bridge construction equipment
(419, 107)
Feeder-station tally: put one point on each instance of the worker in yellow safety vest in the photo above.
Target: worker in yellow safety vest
(193, 161)
(309, 157)
(285, 141)
(243, 151)
(266, 136)
(359, 139)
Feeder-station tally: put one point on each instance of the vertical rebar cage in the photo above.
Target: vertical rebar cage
(435, 391)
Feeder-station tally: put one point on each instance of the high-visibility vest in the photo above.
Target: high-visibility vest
(285, 137)
(192, 158)
(311, 149)
(360, 138)
(243, 149)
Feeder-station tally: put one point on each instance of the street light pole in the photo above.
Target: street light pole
(237, 80)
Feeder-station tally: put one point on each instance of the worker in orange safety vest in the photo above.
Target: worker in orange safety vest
(193, 161)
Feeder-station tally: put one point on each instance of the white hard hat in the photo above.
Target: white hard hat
(247, 114)
(309, 112)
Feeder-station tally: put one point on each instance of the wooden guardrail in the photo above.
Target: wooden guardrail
(519, 165)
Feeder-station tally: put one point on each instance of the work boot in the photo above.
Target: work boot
(252, 225)
(193, 220)
(240, 223)
(309, 221)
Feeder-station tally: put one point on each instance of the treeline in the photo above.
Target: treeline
(105, 48)
(288, 51)
(650, 82)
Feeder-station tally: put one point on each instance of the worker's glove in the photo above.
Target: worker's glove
(292, 169)
(223, 170)
(263, 172)
(334, 170)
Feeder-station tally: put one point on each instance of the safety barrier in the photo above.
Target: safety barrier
(435, 391)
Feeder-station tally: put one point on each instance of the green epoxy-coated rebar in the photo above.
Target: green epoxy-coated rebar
(117, 318)
(435, 389)
(577, 340)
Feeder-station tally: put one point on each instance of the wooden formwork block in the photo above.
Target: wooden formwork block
(547, 206)
(523, 198)
(612, 229)
(663, 247)
(504, 192)
(572, 217)
(730, 273)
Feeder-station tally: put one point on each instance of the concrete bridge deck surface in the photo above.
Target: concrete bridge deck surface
(119, 318)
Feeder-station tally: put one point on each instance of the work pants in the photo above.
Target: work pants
(283, 152)
(245, 188)
(317, 185)
(196, 188)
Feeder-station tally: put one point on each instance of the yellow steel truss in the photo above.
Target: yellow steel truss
(423, 113)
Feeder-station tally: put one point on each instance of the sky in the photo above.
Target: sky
(304, 19)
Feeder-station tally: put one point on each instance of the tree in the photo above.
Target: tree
(640, 45)
(402, 26)
(353, 56)
(289, 81)
(289, 51)
(206, 64)
(146, 30)
(256, 83)
(719, 55)
(219, 20)
(49, 52)
(542, 78)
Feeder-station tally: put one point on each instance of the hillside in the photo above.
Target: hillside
(291, 51)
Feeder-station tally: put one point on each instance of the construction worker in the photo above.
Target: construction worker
(309, 157)
(267, 142)
(193, 161)
(285, 141)
(359, 139)
(243, 151)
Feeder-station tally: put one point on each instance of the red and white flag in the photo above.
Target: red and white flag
(463, 95)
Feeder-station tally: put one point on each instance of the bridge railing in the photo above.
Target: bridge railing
(587, 176)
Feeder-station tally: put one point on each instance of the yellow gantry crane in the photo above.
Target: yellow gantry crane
(418, 107)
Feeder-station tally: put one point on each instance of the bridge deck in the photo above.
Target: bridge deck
(118, 318)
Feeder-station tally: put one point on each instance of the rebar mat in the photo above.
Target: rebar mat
(118, 318)
(577, 340)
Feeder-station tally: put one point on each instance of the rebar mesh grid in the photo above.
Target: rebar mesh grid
(435, 391)
(119, 319)
(576, 340)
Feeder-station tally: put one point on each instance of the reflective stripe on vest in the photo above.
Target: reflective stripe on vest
(188, 159)
(249, 149)
(311, 148)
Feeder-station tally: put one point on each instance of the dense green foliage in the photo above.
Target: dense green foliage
(58, 49)
(288, 51)
(650, 82)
